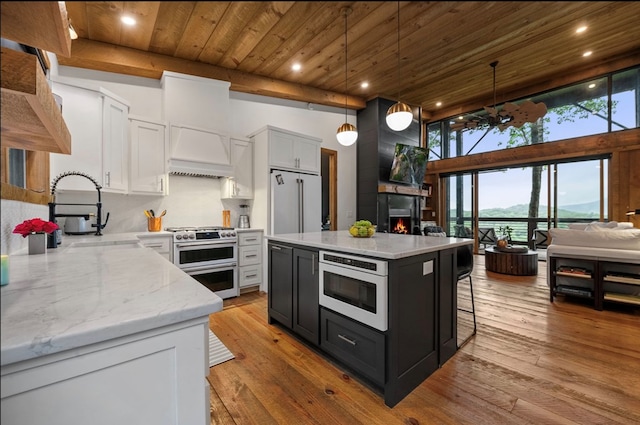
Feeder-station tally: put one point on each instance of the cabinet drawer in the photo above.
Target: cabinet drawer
(250, 255)
(358, 346)
(249, 238)
(250, 275)
(162, 246)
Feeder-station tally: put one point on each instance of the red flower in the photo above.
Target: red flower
(35, 225)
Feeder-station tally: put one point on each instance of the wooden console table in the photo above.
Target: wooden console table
(514, 263)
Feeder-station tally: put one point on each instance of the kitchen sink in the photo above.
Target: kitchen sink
(108, 245)
(132, 243)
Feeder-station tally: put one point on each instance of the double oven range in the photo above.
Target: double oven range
(209, 254)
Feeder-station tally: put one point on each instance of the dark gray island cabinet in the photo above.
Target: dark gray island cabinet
(393, 346)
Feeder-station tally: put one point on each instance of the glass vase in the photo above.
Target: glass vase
(37, 243)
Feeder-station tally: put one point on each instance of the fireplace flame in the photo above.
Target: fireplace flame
(400, 227)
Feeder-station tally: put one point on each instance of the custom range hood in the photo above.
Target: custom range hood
(197, 110)
(199, 153)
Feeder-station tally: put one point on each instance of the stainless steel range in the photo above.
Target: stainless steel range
(210, 255)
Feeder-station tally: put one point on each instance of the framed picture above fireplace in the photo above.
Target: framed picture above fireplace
(409, 164)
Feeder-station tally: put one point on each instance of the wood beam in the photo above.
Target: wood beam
(585, 146)
(122, 60)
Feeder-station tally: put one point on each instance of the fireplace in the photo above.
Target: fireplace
(400, 221)
(398, 214)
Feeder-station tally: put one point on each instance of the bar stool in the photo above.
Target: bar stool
(464, 269)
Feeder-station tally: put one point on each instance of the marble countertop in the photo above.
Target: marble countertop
(381, 245)
(91, 289)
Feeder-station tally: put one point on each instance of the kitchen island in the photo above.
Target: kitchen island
(407, 329)
(104, 331)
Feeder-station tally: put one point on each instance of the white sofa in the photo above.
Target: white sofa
(602, 241)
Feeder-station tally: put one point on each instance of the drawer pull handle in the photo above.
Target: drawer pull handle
(344, 338)
(251, 255)
(154, 245)
(251, 239)
(251, 275)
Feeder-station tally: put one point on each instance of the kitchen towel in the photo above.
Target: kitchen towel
(218, 353)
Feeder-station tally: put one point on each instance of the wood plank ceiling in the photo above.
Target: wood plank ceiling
(445, 47)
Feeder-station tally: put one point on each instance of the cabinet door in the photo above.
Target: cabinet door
(149, 149)
(241, 185)
(281, 150)
(281, 284)
(308, 154)
(115, 145)
(82, 112)
(306, 310)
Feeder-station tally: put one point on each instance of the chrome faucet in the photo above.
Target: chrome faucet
(55, 238)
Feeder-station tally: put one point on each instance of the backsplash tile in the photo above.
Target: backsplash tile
(13, 213)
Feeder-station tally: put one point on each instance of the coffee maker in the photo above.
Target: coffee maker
(243, 219)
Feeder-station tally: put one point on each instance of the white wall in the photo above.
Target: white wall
(196, 201)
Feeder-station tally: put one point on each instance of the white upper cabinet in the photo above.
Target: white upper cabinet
(98, 123)
(149, 149)
(293, 151)
(115, 145)
(240, 186)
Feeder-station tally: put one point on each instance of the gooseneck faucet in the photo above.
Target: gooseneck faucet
(54, 238)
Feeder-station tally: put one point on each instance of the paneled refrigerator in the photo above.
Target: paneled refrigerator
(296, 202)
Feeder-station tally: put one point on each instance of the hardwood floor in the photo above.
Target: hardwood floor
(531, 361)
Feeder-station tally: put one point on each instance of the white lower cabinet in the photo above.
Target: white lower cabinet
(153, 377)
(250, 258)
(162, 243)
(149, 154)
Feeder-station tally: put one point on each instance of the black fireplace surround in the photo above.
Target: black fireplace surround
(375, 150)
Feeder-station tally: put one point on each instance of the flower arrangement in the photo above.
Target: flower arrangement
(35, 225)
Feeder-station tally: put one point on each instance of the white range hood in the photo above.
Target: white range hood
(197, 110)
(199, 152)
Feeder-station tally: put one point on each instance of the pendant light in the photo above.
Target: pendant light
(399, 115)
(347, 133)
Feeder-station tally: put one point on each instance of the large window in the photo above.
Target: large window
(518, 200)
(578, 110)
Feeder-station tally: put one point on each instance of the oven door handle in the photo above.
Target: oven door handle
(204, 245)
(206, 268)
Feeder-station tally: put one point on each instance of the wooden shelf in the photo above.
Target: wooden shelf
(622, 298)
(38, 24)
(579, 276)
(31, 119)
(402, 190)
(631, 280)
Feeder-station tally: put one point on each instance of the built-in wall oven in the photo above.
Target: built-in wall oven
(355, 287)
(209, 255)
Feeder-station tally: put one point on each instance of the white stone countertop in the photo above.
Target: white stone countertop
(381, 245)
(79, 294)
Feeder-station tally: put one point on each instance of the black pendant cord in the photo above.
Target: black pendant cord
(398, 52)
(346, 86)
(493, 65)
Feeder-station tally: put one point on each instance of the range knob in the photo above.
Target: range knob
(178, 236)
(192, 236)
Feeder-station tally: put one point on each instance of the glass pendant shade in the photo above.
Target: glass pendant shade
(347, 134)
(399, 116)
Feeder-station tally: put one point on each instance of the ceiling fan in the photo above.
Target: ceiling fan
(511, 114)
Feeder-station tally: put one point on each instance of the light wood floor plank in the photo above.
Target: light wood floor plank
(531, 362)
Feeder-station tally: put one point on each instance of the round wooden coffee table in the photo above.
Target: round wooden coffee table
(514, 263)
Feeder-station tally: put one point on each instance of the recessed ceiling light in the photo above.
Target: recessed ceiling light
(581, 29)
(592, 85)
(296, 67)
(364, 85)
(588, 53)
(128, 20)
(438, 103)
